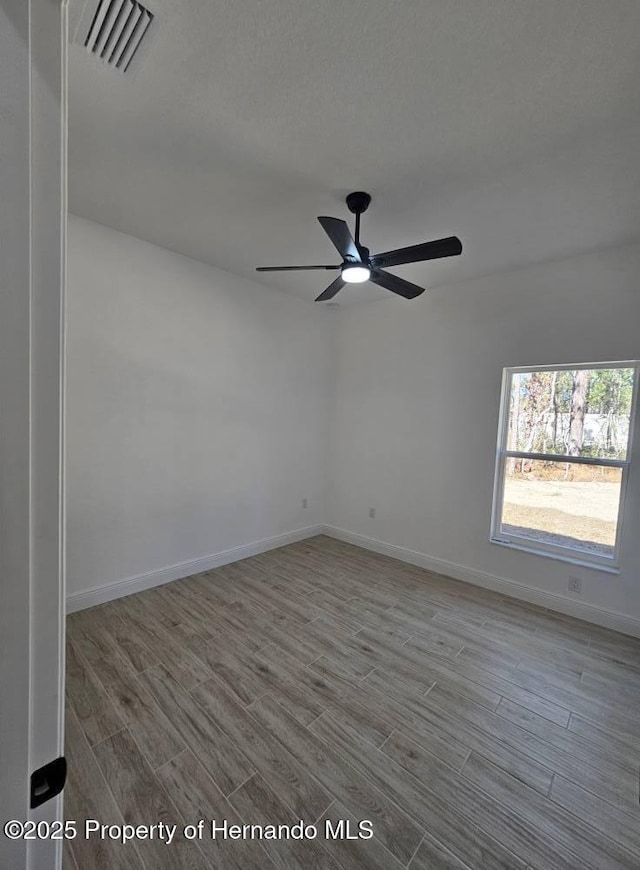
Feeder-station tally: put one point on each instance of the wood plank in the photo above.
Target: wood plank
(477, 811)
(604, 737)
(300, 791)
(620, 826)
(103, 632)
(463, 670)
(354, 853)
(603, 755)
(86, 797)
(197, 797)
(68, 861)
(348, 701)
(428, 720)
(241, 617)
(591, 847)
(322, 637)
(150, 728)
(214, 588)
(143, 801)
(338, 609)
(256, 801)
(534, 775)
(153, 603)
(95, 711)
(580, 699)
(299, 701)
(409, 662)
(434, 856)
(299, 608)
(431, 809)
(182, 665)
(397, 699)
(227, 659)
(221, 757)
(394, 828)
(608, 784)
(86, 629)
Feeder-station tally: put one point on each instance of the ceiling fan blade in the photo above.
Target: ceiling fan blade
(396, 285)
(291, 268)
(340, 235)
(331, 290)
(449, 247)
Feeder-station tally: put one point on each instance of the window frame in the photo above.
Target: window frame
(544, 548)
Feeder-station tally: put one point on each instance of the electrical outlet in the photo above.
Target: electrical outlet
(372, 513)
(305, 502)
(575, 584)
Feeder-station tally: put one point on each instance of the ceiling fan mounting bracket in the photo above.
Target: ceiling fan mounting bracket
(358, 202)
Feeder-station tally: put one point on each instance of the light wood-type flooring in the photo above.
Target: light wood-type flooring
(320, 681)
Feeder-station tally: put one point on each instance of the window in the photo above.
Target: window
(564, 447)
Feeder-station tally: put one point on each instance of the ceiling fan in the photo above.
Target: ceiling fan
(358, 266)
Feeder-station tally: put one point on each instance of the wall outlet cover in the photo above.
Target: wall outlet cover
(575, 584)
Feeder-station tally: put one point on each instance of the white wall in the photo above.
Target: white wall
(196, 409)
(416, 410)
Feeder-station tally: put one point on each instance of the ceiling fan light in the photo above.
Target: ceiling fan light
(356, 274)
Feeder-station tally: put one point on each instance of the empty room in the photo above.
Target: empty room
(319, 435)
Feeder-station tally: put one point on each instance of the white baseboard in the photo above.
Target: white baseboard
(111, 591)
(581, 610)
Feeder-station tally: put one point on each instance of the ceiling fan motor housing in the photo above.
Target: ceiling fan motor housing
(358, 202)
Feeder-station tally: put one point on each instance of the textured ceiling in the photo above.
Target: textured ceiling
(514, 124)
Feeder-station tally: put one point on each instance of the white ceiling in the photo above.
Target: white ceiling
(514, 124)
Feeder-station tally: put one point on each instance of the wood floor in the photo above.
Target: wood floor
(321, 681)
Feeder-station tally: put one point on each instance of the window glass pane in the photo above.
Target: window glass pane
(585, 412)
(562, 503)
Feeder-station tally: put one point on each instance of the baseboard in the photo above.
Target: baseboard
(569, 606)
(111, 591)
(589, 612)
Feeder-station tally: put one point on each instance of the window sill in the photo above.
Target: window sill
(559, 557)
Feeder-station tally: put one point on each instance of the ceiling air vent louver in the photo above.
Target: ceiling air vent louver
(116, 31)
